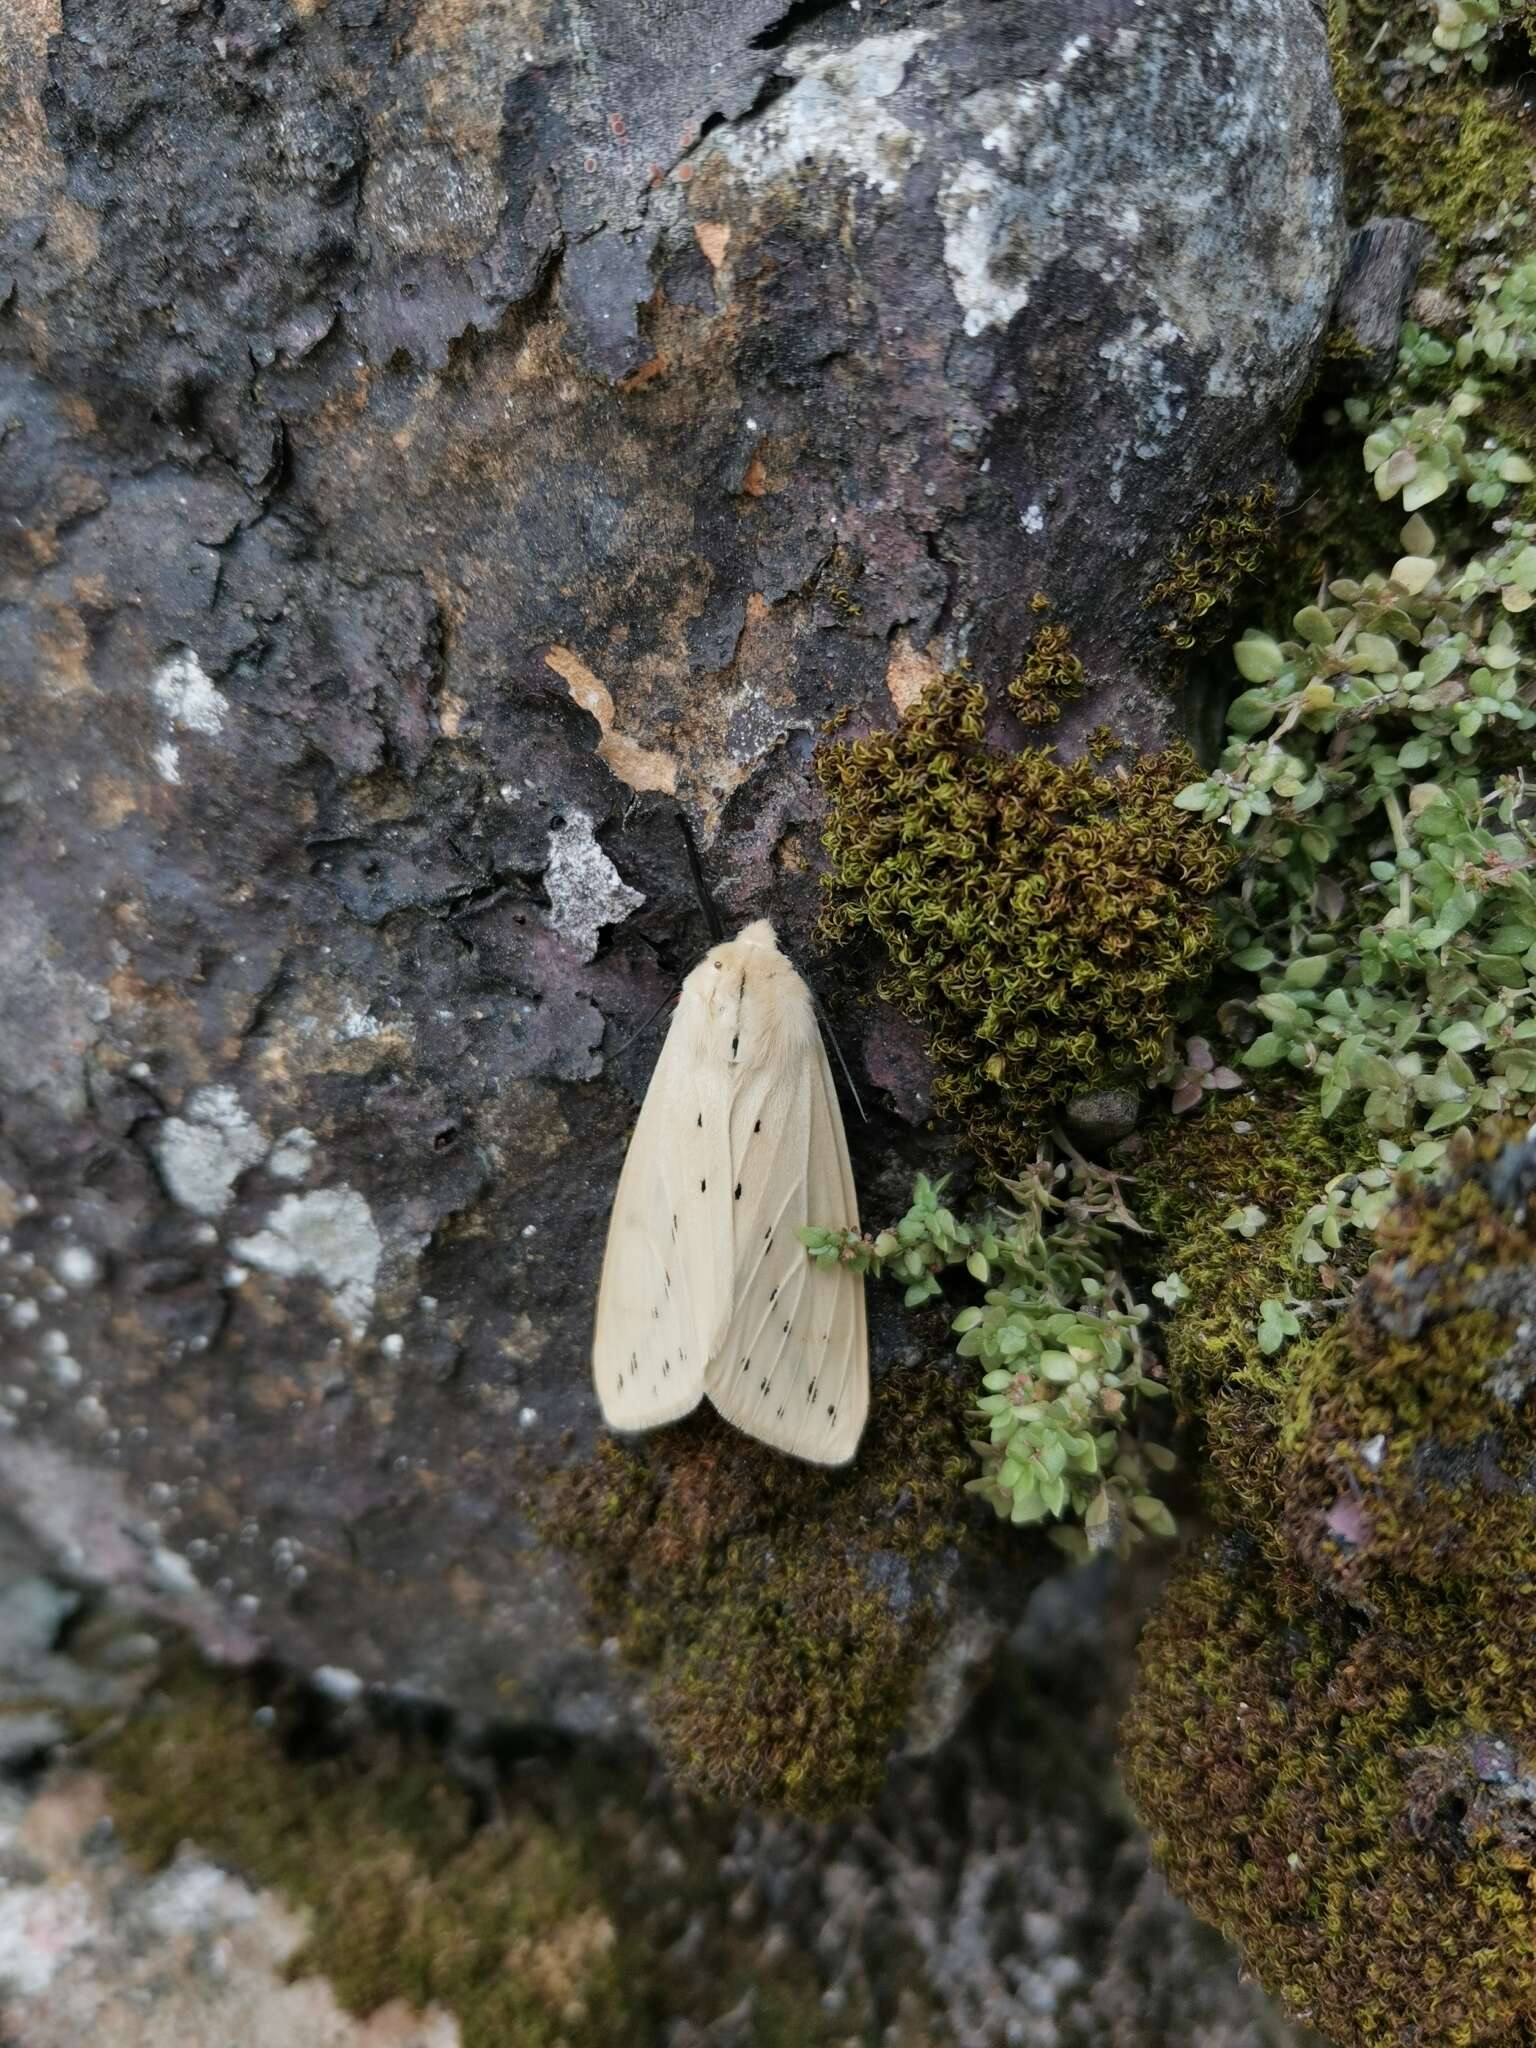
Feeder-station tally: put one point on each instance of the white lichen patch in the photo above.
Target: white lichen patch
(584, 888)
(293, 1154)
(357, 1022)
(329, 1234)
(167, 758)
(186, 693)
(986, 244)
(203, 1153)
(77, 1266)
(41, 1925)
(832, 115)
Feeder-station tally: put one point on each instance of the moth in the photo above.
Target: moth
(706, 1288)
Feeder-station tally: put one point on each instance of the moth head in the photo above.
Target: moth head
(759, 933)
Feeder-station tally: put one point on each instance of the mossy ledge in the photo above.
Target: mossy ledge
(539, 1925)
(1043, 918)
(785, 1611)
(1273, 1149)
(1335, 1746)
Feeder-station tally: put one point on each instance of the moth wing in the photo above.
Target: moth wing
(793, 1366)
(662, 1299)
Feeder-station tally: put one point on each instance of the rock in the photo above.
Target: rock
(1103, 1117)
(438, 449)
(1379, 274)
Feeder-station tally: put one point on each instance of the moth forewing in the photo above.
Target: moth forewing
(746, 1144)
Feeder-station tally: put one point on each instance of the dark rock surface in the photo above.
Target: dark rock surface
(437, 439)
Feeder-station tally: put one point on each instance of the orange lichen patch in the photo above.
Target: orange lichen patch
(755, 481)
(640, 767)
(646, 374)
(908, 673)
(109, 802)
(451, 711)
(712, 237)
(63, 648)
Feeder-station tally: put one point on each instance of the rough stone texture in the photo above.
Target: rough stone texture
(995, 1895)
(1379, 273)
(439, 437)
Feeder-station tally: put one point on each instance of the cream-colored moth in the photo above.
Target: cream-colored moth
(706, 1287)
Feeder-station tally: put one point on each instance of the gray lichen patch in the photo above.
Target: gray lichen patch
(50, 1016)
(584, 887)
(833, 115)
(202, 1154)
(330, 1234)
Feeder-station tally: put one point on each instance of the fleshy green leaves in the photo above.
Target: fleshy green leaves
(1057, 1337)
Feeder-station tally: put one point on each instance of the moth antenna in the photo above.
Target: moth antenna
(831, 1038)
(635, 1037)
(712, 916)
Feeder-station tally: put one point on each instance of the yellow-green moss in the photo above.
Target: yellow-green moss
(785, 1611)
(1452, 150)
(1410, 1443)
(1334, 1736)
(503, 1925)
(542, 1927)
(1043, 918)
(1274, 1152)
(1052, 674)
(1221, 554)
(1350, 1806)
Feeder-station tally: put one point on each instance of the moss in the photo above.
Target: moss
(1334, 1737)
(1411, 1441)
(1208, 570)
(786, 1611)
(1052, 674)
(1355, 1814)
(504, 1926)
(1275, 1152)
(1044, 918)
(541, 1928)
(1451, 150)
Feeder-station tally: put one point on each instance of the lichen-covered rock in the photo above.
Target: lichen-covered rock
(440, 441)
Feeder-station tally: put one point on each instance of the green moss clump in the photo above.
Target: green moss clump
(785, 1611)
(503, 1926)
(1043, 918)
(1272, 1153)
(1334, 1737)
(1224, 549)
(1356, 1814)
(1445, 148)
(1051, 675)
(1411, 1440)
